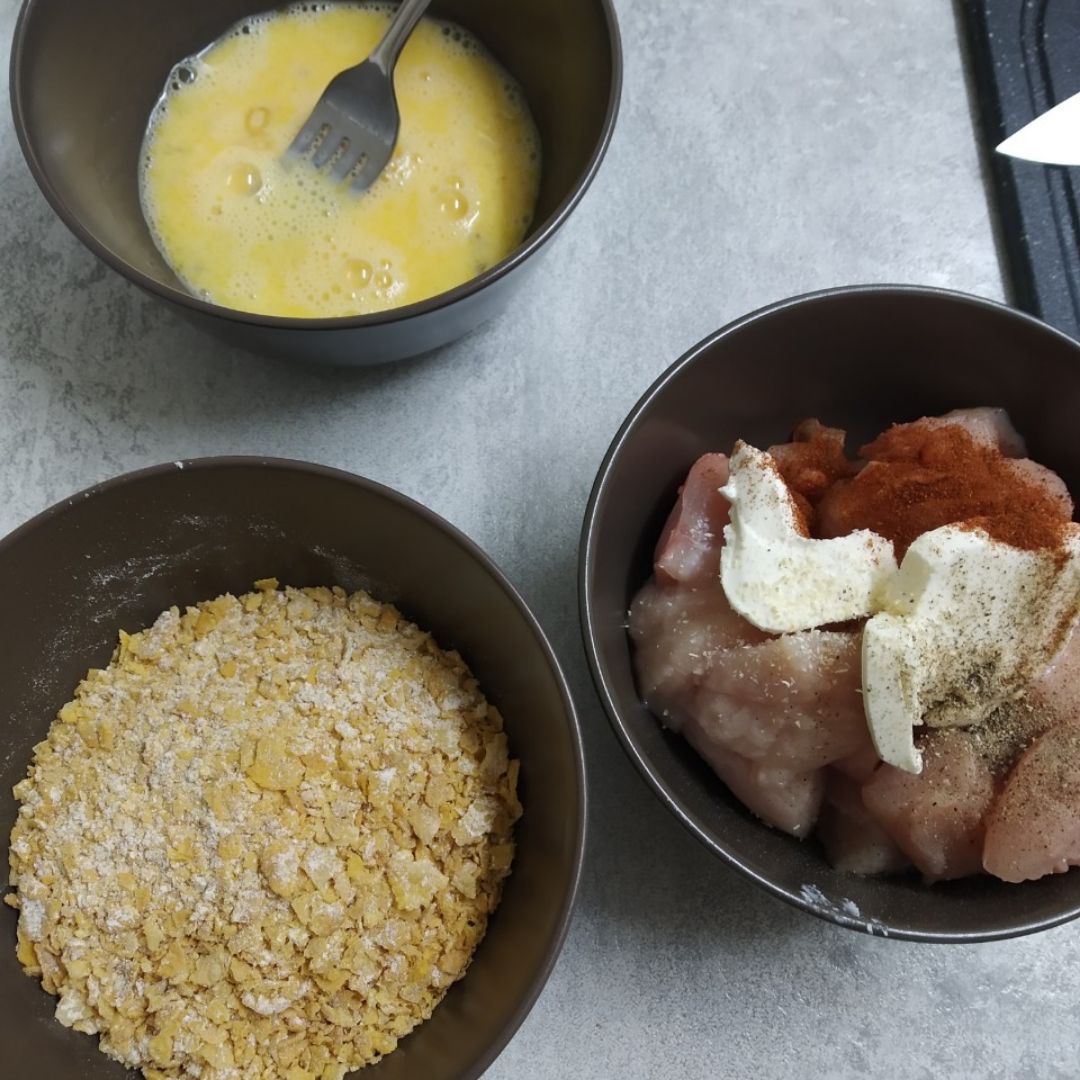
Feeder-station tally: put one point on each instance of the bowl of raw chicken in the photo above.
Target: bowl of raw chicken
(829, 579)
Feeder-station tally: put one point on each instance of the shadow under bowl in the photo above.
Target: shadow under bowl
(859, 358)
(85, 77)
(115, 556)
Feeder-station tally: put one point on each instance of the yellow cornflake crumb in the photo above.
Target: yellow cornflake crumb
(265, 840)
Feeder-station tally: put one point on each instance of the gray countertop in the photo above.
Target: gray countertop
(764, 149)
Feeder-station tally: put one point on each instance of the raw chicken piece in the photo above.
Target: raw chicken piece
(1031, 472)
(859, 765)
(787, 799)
(1058, 688)
(812, 461)
(1034, 827)
(792, 700)
(987, 426)
(936, 818)
(854, 842)
(677, 631)
(934, 472)
(689, 547)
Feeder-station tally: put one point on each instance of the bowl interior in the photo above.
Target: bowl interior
(861, 360)
(115, 557)
(86, 76)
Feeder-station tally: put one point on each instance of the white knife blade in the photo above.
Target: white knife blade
(1052, 138)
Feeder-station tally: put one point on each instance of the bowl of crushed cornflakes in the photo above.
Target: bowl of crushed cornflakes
(298, 783)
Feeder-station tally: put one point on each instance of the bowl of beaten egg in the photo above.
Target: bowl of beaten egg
(781, 718)
(157, 135)
(302, 972)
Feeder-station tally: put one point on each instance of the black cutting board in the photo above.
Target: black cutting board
(1024, 57)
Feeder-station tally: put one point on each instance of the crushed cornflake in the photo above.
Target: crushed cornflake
(265, 840)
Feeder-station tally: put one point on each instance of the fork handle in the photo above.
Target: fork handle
(406, 17)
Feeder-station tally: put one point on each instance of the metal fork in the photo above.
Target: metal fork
(354, 125)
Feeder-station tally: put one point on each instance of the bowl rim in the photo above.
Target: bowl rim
(432, 304)
(587, 558)
(573, 724)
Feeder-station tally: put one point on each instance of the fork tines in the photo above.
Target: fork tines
(326, 145)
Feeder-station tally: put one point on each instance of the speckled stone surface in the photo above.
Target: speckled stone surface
(764, 149)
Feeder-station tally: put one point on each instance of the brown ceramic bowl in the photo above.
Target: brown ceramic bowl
(84, 78)
(116, 555)
(858, 358)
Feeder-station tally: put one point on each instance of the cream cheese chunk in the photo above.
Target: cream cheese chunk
(965, 624)
(776, 576)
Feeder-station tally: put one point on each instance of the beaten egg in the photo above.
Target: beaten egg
(246, 229)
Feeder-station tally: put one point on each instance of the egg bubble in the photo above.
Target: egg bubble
(244, 179)
(358, 273)
(256, 120)
(455, 206)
